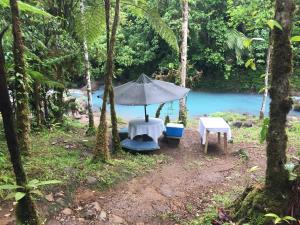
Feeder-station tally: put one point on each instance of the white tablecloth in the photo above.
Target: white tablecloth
(213, 124)
(154, 128)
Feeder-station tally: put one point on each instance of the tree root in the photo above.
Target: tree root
(256, 201)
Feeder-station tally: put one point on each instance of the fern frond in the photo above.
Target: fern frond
(59, 59)
(235, 41)
(91, 24)
(141, 9)
(26, 8)
(37, 76)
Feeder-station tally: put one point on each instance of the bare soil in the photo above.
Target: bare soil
(174, 192)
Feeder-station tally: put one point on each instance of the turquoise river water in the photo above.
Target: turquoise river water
(198, 104)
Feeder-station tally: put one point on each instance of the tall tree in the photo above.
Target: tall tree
(110, 62)
(22, 107)
(184, 47)
(281, 102)
(101, 150)
(277, 194)
(25, 212)
(87, 78)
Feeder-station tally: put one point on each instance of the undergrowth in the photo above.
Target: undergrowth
(65, 153)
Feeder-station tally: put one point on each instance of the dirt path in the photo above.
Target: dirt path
(175, 192)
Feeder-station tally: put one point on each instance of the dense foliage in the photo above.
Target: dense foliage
(215, 54)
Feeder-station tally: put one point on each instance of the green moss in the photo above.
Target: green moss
(252, 207)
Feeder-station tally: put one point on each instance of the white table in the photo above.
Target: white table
(153, 128)
(216, 125)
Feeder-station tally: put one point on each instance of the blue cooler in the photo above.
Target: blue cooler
(174, 130)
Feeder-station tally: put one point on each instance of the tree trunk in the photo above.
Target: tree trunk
(45, 104)
(22, 105)
(265, 96)
(25, 211)
(185, 21)
(91, 128)
(160, 107)
(110, 62)
(281, 102)
(37, 103)
(101, 150)
(59, 101)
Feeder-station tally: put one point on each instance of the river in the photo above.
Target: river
(198, 104)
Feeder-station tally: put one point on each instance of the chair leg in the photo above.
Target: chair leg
(219, 138)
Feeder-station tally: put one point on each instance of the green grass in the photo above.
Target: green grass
(294, 136)
(65, 154)
(218, 200)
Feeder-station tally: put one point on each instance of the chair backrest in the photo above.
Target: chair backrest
(174, 130)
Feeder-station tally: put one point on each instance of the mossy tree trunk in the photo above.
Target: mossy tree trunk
(91, 128)
(25, 210)
(110, 69)
(276, 195)
(184, 47)
(22, 105)
(158, 111)
(281, 102)
(101, 150)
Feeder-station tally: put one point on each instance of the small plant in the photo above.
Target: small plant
(264, 130)
(278, 220)
(2, 159)
(290, 167)
(19, 192)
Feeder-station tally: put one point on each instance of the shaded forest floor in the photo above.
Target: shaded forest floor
(177, 185)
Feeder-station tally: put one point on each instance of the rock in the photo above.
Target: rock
(91, 180)
(248, 124)
(81, 220)
(7, 215)
(89, 214)
(297, 106)
(70, 170)
(237, 124)
(59, 194)
(113, 219)
(96, 206)
(102, 215)
(49, 197)
(67, 211)
(293, 118)
(53, 222)
(61, 201)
